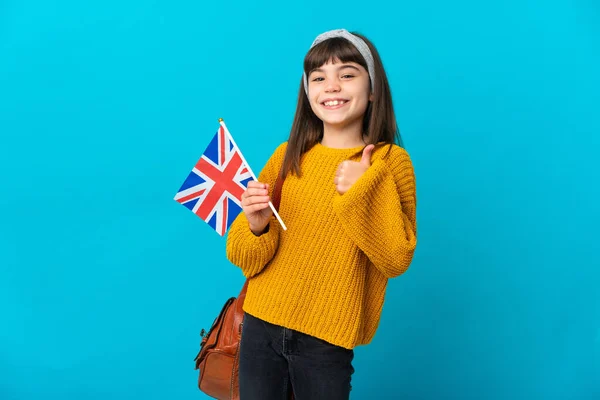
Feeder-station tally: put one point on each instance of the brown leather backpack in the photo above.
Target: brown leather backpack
(218, 359)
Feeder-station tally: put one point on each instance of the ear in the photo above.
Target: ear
(371, 97)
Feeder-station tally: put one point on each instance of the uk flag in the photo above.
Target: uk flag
(213, 190)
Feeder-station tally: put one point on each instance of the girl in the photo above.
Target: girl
(316, 290)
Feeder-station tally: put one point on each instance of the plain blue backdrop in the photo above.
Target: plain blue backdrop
(105, 281)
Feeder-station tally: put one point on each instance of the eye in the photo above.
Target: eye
(317, 79)
(347, 76)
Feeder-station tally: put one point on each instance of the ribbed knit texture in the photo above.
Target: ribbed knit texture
(327, 274)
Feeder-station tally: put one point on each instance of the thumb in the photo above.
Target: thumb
(366, 155)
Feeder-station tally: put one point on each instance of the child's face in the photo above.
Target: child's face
(339, 93)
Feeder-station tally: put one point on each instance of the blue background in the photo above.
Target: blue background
(105, 106)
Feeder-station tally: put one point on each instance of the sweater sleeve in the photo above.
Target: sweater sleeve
(250, 252)
(378, 213)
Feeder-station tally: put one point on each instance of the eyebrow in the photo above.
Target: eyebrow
(339, 68)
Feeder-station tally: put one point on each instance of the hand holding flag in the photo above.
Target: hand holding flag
(255, 202)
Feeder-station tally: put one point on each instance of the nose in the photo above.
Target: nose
(332, 86)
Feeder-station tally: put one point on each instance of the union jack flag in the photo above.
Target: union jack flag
(213, 190)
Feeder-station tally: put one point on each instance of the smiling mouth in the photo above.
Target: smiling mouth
(334, 103)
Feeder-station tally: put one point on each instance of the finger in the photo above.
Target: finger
(252, 200)
(258, 207)
(256, 184)
(256, 192)
(366, 155)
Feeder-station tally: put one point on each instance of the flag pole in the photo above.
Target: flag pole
(251, 172)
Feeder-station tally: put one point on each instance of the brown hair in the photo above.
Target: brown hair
(379, 123)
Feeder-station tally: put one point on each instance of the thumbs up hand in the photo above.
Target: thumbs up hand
(350, 171)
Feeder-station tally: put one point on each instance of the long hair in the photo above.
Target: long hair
(379, 122)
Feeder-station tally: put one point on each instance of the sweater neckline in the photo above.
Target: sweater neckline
(337, 151)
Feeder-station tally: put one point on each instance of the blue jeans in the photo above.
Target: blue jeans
(274, 361)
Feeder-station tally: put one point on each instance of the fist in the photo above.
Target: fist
(350, 171)
(255, 203)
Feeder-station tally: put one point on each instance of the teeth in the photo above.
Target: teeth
(334, 103)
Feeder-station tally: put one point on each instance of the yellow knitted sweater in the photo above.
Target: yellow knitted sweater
(327, 274)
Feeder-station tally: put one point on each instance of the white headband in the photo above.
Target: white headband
(360, 45)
